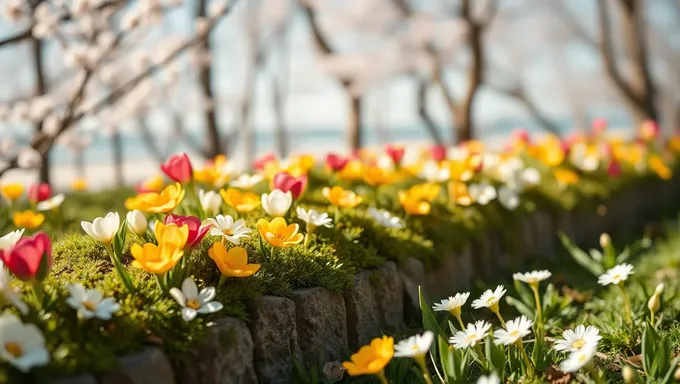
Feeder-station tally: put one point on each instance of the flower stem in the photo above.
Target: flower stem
(223, 279)
(626, 304)
(651, 318)
(194, 196)
(122, 274)
(39, 293)
(381, 377)
(527, 361)
(272, 254)
(420, 360)
(593, 373)
(498, 314)
(460, 321)
(539, 310)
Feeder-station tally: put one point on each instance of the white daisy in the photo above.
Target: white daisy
(10, 239)
(491, 379)
(8, 292)
(89, 302)
(514, 330)
(414, 346)
(508, 197)
(194, 302)
(21, 345)
(53, 202)
(616, 275)
(453, 304)
(232, 230)
(533, 277)
(246, 181)
(385, 218)
(530, 177)
(578, 359)
(489, 298)
(471, 335)
(314, 218)
(433, 173)
(482, 193)
(579, 338)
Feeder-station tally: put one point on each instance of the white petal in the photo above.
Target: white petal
(206, 294)
(188, 314)
(189, 288)
(210, 307)
(178, 296)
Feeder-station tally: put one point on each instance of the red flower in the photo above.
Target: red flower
(196, 232)
(521, 135)
(396, 152)
(31, 258)
(649, 130)
(336, 162)
(178, 167)
(438, 152)
(614, 169)
(262, 162)
(39, 192)
(286, 182)
(599, 125)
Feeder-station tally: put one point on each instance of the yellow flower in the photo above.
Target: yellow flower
(79, 184)
(371, 359)
(213, 172)
(157, 259)
(12, 191)
(674, 144)
(459, 194)
(377, 176)
(565, 176)
(28, 219)
(341, 197)
(164, 202)
(232, 263)
(413, 205)
(549, 151)
(171, 234)
(352, 171)
(426, 191)
(154, 184)
(657, 165)
(278, 233)
(241, 201)
(460, 170)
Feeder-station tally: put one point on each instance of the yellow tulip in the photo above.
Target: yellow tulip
(79, 184)
(232, 263)
(371, 359)
(459, 194)
(657, 165)
(278, 233)
(154, 184)
(157, 259)
(565, 176)
(426, 191)
(172, 234)
(413, 205)
(12, 191)
(460, 170)
(548, 151)
(377, 176)
(352, 171)
(342, 198)
(28, 219)
(164, 202)
(241, 201)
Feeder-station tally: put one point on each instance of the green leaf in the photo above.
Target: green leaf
(520, 306)
(429, 320)
(525, 294)
(648, 348)
(495, 355)
(580, 256)
(446, 358)
(596, 255)
(539, 355)
(669, 374)
(43, 268)
(119, 240)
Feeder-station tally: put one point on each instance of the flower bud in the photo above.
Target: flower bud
(676, 376)
(605, 240)
(629, 375)
(659, 289)
(654, 303)
(137, 222)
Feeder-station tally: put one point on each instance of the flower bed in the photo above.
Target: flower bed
(282, 269)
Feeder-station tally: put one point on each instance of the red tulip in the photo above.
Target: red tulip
(521, 135)
(438, 153)
(196, 232)
(39, 192)
(336, 162)
(396, 152)
(262, 162)
(31, 258)
(178, 168)
(286, 182)
(614, 169)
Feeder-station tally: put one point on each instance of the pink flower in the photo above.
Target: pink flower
(39, 192)
(286, 182)
(262, 162)
(396, 152)
(614, 169)
(31, 258)
(178, 168)
(599, 125)
(649, 130)
(196, 232)
(438, 152)
(336, 162)
(521, 135)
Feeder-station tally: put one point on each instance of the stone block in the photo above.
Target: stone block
(80, 379)
(389, 295)
(150, 365)
(363, 320)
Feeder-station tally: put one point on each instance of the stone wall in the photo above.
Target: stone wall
(315, 326)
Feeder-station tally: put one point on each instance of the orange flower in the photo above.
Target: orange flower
(549, 151)
(426, 191)
(164, 202)
(371, 359)
(352, 171)
(172, 234)
(657, 165)
(413, 205)
(154, 184)
(377, 176)
(241, 201)
(342, 198)
(232, 263)
(213, 172)
(157, 259)
(460, 170)
(28, 219)
(566, 177)
(12, 192)
(79, 184)
(278, 233)
(459, 194)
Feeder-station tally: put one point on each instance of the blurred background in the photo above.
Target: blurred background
(105, 90)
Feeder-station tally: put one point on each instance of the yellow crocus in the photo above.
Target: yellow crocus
(414, 205)
(12, 192)
(28, 219)
(371, 359)
(341, 197)
(79, 184)
(157, 259)
(657, 166)
(233, 262)
(240, 201)
(164, 202)
(459, 194)
(153, 184)
(566, 176)
(460, 170)
(278, 233)
(171, 234)
(352, 171)
(377, 176)
(425, 191)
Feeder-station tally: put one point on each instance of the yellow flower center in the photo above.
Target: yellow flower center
(14, 349)
(582, 358)
(616, 276)
(228, 232)
(490, 300)
(472, 337)
(414, 348)
(514, 333)
(89, 306)
(193, 304)
(578, 343)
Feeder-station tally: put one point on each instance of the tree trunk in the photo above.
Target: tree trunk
(213, 146)
(279, 113)
(430, 125)
(117, 149)
(464, 127)
(41, 89)
(79, 162)
(354, 129)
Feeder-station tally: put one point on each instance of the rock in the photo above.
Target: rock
(150, 365)
(465, 268)
(80, 379)
(441, 281)
(499, 255)
(389, 295)
(273, 327)
(412, 275)
(224, 357)
(363, 321)
(481, 257)
(321, 322)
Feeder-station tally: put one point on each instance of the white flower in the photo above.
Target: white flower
(471, 335)
(578, 359)
(385, 218)
(52, 203)
(514, 330)
(417, 345)
(508, 197)
(314, 218)
(533, 277)
(491, 379)
(194, 302)
(482, 193)
(22, 345)
(489, 298)
(246, 181)
(579, 338)
(90, 303)
(616, 275)
(210, 201)
(10, 239)
(277, 203)
(8, 292)
(530, 177)
(433, 173)
(232, 231)
(137, 222)
(103, 229)
(453, 303)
